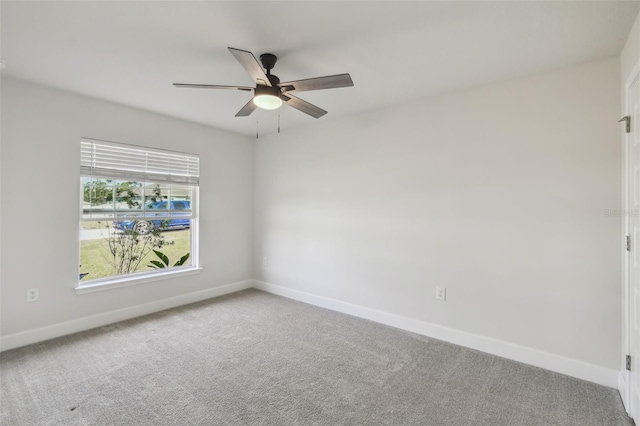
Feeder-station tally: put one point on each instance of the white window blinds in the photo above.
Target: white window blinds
(128, 162)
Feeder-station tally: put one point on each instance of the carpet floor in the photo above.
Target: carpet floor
(252, 358)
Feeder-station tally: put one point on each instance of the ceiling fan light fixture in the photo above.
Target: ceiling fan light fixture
(269, 91)
(267, 101)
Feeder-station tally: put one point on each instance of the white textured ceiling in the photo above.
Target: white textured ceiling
(131, 52)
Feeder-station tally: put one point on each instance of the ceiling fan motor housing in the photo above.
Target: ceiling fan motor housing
(268, 61)
(266, 90)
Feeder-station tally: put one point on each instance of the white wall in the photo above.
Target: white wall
(631, 52)
(497, 193)
(41, 131)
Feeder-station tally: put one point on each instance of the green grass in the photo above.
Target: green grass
(96, 259)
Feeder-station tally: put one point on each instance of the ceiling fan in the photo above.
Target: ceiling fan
(269, 93)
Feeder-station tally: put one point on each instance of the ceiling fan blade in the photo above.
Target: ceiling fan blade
(210, 86)
(303, 106)
(318, 83)
(247, 109)
(251, 64)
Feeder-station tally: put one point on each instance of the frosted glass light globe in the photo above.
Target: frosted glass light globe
(267, 101)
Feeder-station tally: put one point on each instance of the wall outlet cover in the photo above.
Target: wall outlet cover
(33, 294)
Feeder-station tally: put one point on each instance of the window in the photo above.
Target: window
(138, 212)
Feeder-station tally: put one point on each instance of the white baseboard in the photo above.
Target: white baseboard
(549, 361)
(560, 364)
(28, 337)
(622, 388)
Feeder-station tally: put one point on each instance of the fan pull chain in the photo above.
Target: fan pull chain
(257, 127)
(278, 120)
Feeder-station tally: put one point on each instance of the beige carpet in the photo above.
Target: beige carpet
(256, 359)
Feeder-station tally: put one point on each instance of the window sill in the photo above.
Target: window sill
(135, 280)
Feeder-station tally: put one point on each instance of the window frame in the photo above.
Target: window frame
(146, 276)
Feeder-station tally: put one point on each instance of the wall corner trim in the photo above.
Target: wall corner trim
(16, 340)
(549, 361)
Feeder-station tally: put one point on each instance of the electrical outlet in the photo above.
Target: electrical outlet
(265, 261)
(33, 294)
(441, 293)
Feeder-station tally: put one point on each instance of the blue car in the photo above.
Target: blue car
(144, 226)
